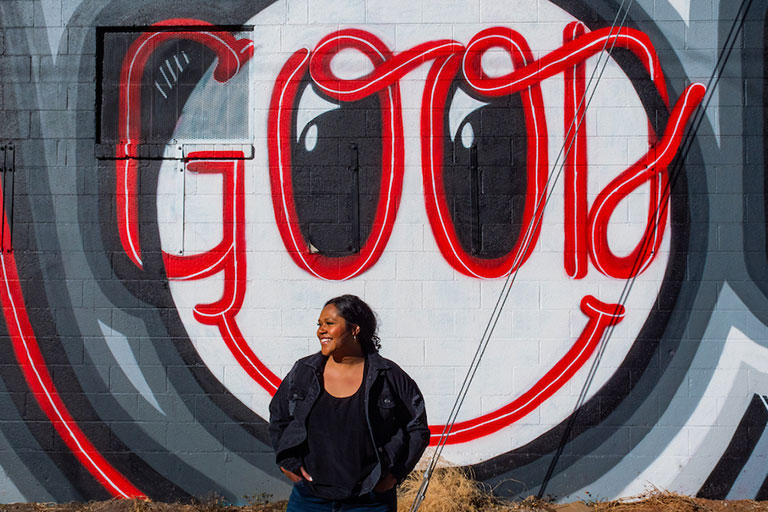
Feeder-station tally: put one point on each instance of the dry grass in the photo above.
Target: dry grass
(450, 490)
(656, 499)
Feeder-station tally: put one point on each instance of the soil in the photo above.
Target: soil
(650, 503)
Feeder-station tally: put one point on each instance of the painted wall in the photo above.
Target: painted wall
(185, 183)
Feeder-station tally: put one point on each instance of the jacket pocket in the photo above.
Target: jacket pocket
(386, 406)
(293, 398)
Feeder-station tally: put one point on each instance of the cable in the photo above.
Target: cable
(509, 281)
(673, 173)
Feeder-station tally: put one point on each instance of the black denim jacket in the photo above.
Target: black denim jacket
(396, 416)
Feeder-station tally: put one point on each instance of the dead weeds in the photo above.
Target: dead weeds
(451, 490)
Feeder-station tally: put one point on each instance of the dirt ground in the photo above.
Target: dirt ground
(659, 502)
(450, 490)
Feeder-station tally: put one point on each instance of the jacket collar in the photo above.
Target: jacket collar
(375, 362)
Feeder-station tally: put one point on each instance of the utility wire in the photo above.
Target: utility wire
(552, 178)
(674, 174)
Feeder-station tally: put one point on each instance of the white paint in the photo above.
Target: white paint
(118, 345)
(683, 7)
(310, 139)
(496, 62)
(57, 15)
(53, 24)
(462, 105)
(683, 462)
(467, 135)
(350, 64)
(311, 105)
(751, 476)
(9, 493)
(439, 307)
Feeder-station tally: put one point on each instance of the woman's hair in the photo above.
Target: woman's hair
(355, 311)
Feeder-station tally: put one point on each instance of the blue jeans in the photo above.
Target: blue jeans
(302, 500)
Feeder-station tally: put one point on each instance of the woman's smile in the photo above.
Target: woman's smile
(336, 336)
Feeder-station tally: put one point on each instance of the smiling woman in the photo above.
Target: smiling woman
(347, 425)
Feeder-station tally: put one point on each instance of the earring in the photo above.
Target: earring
(354, 337)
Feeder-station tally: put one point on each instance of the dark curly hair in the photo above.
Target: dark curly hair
(355, 311)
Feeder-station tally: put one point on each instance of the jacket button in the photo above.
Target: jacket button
(381, 449)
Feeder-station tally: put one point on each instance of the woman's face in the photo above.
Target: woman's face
(336, 337)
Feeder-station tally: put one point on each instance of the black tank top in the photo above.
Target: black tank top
(341, 452)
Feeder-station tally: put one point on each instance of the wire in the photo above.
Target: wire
(509, 281)
(674, 174)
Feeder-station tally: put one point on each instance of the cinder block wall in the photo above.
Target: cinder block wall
(581, 186)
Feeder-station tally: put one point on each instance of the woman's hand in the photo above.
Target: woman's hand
(386, 483)
(293, 477)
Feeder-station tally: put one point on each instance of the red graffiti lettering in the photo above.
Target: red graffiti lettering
(601, 316)
(450, 61)
(652, 167)
(576, 255)
(232, 54)
(228, 257)
(439, 81)
(383, 82)
(448, 58)
(37, 376)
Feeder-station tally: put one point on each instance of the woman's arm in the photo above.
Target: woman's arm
(279, 419)
(413, 435)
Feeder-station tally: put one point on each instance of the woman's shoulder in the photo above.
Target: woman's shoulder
(312, 360)
(306, 365)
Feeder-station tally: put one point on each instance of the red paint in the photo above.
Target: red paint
(576, 255)
(284, 101)
(450, 61)
(232, 54)
(652, 166)
(445, 55)
(227, 257)
(38, 378)
(440, 78)
(601, 316)
(567, 56)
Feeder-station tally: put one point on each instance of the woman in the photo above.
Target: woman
(346, 424)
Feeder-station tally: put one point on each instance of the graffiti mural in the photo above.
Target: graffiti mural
(184, 185)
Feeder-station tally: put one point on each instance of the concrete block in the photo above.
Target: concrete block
(343, 11)
(15, 126)
(51, 96)
(425, 323)
(80, 41)
(702, 35)
(394, 294)
(515, 11)
(397, 11)
(452, 294)
(68, 8)
(423, 266)
(46, 14)
(462, 11)
(62, 124)
(17, 14)
(15, 69)
(298, 322)
(65, 69)
(26, 41)
(404, 351)
(298, 12)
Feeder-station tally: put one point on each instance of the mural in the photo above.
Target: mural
(581, 184)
